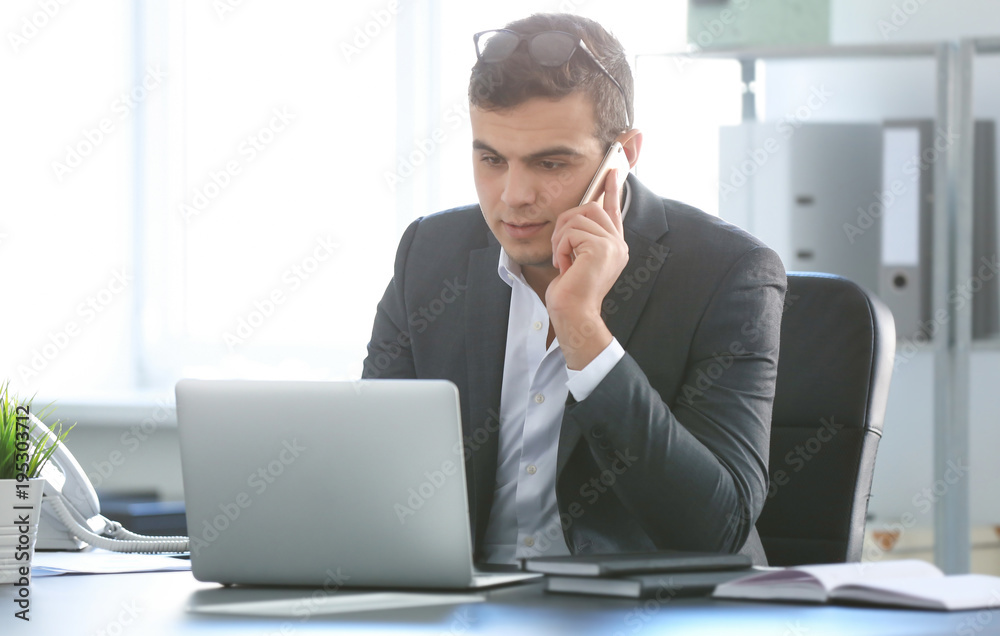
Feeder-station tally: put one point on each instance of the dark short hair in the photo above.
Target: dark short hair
(510, 83)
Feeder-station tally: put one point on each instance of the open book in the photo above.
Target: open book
(909, 583)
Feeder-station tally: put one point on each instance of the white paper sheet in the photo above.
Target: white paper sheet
(97, 561)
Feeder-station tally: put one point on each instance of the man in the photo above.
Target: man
(616, 376)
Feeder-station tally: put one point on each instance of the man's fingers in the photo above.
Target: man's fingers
(575, 241)
(590, 211)
(564, 250)
(585, 223)
(591, 219)
(563, 254)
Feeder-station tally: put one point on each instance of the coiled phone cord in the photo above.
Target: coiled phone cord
(122, 540)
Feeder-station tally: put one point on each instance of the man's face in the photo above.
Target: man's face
(531, 164)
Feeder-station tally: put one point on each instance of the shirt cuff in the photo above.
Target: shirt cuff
(583, 382)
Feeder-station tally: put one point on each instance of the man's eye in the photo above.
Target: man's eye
(550, 165)
(491, 160)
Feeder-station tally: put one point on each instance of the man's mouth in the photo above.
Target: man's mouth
(522, 230)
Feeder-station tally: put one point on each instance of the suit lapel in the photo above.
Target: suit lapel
(486, 316)
(645, 224)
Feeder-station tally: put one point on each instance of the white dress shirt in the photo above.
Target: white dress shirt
(524, 519)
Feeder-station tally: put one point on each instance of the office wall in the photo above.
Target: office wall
(872, 90)
(862, 91)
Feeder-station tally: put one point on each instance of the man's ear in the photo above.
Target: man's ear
(631, 140)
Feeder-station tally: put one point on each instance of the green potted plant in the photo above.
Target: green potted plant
(21, 463)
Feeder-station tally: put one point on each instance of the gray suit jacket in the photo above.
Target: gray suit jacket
(671, 448)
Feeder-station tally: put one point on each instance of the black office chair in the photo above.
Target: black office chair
(834, 367)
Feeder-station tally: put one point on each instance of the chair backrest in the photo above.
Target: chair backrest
(834, 367)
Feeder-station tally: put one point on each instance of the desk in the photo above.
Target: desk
(155, 604)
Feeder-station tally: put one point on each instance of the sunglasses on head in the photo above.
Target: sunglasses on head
(546, 48)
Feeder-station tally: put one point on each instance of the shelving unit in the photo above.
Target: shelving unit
(952, 249)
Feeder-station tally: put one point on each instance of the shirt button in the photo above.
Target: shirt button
(529, 541)
(537, 325)
(531, 469)
(539, 398)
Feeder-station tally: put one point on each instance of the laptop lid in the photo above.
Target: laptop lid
(325, 483)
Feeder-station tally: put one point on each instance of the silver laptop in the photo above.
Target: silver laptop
(333, 484)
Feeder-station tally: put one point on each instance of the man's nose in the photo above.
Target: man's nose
(519, 190)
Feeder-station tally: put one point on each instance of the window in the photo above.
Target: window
(217, 189)
(66, 224)
(276, 223)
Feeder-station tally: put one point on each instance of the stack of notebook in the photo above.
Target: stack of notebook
(641, 575)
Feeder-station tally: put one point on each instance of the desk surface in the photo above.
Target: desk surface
(157, 603)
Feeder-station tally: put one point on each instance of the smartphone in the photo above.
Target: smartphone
(615, 158)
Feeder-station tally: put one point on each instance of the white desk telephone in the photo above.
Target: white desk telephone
(71, 514)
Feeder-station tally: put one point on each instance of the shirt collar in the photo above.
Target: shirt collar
(508, 270)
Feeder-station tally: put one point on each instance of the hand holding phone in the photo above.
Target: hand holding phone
(589, 251)
(614, 158)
